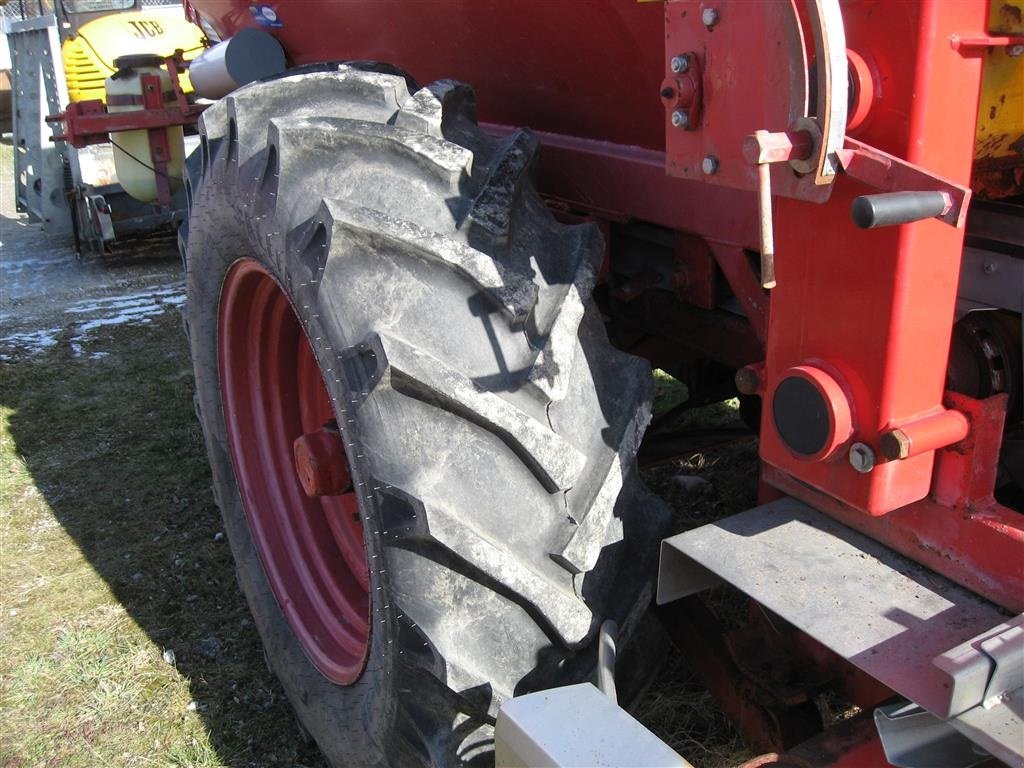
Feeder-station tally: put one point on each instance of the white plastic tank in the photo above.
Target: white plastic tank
(132, 158)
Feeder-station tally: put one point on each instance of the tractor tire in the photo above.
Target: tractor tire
(368, 259)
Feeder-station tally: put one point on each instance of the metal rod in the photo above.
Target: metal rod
(606, 659)
(764, 211)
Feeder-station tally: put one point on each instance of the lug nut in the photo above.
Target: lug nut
(680, 119)
(862, 458)
(320, 463)
(709, 165)
(709, 17)
(748, 380)
(680, 63)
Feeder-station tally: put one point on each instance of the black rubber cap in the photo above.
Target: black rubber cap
(801, 416)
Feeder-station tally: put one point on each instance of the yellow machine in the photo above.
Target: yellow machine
(90, 51)
(999, 143)
(68, 53)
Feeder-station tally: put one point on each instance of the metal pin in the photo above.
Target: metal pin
(764, 210)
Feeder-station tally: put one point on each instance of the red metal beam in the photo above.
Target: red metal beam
(87, 122)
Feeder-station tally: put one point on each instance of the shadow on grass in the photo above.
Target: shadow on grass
(111, 442)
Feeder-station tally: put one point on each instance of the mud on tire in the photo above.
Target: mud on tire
(489, 426)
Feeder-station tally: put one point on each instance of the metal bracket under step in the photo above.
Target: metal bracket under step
(882, 612)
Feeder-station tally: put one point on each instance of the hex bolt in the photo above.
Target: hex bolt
(748, 381)
(680, 118)
(709, 17)
(895, 445)
(680, 63)
(1015, 50)
(862, 458)
(709, 165)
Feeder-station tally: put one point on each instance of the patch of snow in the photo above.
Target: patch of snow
(32, 341)
(163, 294)
(87, 315)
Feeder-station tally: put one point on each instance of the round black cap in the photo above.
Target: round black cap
(801, 416)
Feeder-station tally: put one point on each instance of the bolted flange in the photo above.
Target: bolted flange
(320, 463)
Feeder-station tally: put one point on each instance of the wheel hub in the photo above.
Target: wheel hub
(320, 463)
(292, 475)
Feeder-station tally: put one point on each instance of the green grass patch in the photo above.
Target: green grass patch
(109, 559)
(668, 392)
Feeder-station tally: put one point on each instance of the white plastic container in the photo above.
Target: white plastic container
(132, 158)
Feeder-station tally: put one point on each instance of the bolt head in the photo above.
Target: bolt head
(680, 63)
(747, 380)
(1015, 50)
(709, 165)
(709, 17)
(680, 118)
(895, 445)
(862, 458)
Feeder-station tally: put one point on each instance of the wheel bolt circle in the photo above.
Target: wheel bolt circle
(320, 463)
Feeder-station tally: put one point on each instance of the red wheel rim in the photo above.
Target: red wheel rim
(311, 548)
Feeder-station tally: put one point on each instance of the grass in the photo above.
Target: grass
(668, 392)
(110, 563)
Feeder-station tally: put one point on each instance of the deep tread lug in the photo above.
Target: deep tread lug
(555, 462)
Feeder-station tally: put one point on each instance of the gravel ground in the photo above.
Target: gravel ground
(48, 295)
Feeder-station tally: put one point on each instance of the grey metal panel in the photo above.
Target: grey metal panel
(992, 279)
(881, 611)
(679, 575)
(914, 738)
(33, 24)
(986, 668)
(38, 88)
(576, 725)
(998, 728)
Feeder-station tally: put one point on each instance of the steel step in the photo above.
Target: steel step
(913, 630)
